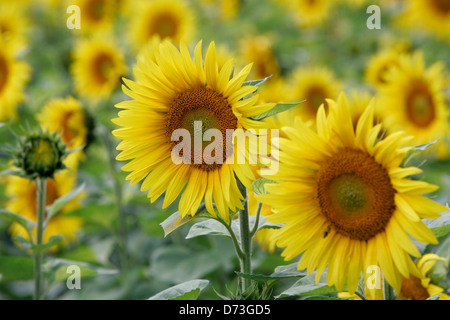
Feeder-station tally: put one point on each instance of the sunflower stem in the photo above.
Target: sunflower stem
(246, 246)
(122, 241)
(255, 227)
(41, 184)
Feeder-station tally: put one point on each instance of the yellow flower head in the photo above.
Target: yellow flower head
(14, 75)
(413, 100)
(421, 288)
(170, 19)
(379, 64)
(345, 201)
(67, 117)
(178, 92)
(97, 67)
(430, 15)
(315, 85)
(309, 13)
(22, 201)
(96, 15)
(259, 51)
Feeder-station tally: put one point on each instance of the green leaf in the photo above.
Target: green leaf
(57, 270)
(207, 227)
(189, 290)
(256, 83)
(279, 107)
(258, 185)
(53, 241)
(176, 263)
(440, 226)
(16, 269)
(25, 222)
(61, 202)
(415, 151)
(307, 286)
(175, 220)
(22, 242)
(288, 271)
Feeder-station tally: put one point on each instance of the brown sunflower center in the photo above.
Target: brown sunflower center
(420, 107)
(4, 71)
(102, 65)
(165, 25)
(355, 194)
(442, 6)
(314, 97)
(95, 10)
(412, 289)
(198, 110)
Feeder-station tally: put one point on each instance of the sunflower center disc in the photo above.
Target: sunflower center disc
(412, 289)
(3, 73)
(198, 110)
(419, 106)
(95, 9)
(102, 66)
(442, 6)
(355, 194)
(166, 26)
(314, 98)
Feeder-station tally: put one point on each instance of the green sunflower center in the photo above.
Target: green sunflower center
(420, 107)
(355, 194)
(3, 73)
(197, 111)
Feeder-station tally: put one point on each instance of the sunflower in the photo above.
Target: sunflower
(413, 100)
(421, 288)
(177, 93)
(315, 85)
(67, 117)
(14, 75)
(379, 64)
(309, 13)
(22, 201)
(359, 100)
(170, 19)
(13, 23)
(259, 51)
(432, 15)
(345, 202)
(96, 15)
(97, 67)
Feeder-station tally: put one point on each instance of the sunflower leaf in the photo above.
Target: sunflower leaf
(258, 185)
(279, 107)
(25, 222)
(16, 269)
(307, 286)
(61, 202)
(175, 221)
(256, 83)
(415, 150)
(189, 290)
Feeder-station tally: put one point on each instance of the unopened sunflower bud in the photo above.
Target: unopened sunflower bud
(40, 154)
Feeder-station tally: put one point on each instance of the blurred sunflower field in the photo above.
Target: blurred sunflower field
(346, 197)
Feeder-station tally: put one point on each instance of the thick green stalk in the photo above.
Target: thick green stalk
(41, 184)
